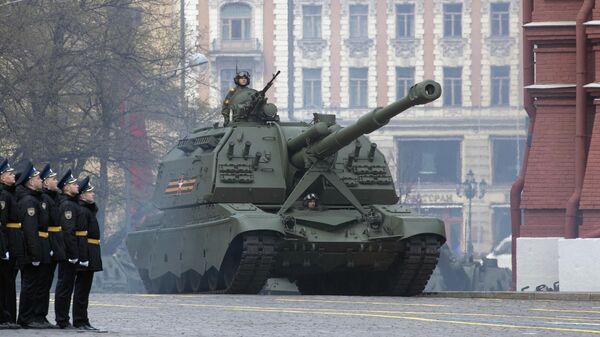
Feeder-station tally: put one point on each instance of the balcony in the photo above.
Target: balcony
(248, 47)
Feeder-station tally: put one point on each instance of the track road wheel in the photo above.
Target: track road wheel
(192, 280)
(179, 285)
(247, 263)
(409, 274)
(308, 285)
(211, 278)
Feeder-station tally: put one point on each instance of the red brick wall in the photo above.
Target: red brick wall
(590, 196)
(203, 42)
(555, 10)
(591, 222)
(596, 11)
(549, 180)
(550, 170)
(543, 223)
(555, 64)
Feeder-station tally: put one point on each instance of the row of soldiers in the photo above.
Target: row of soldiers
(44, 223)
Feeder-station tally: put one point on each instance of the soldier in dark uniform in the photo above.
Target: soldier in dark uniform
(49, 216)
(11, 227)
(239, 100)
(37, 246)
(89, 255)
(68, 220)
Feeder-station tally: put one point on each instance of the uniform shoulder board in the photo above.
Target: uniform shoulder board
(232, 90)
(31, 211)
(68, 215)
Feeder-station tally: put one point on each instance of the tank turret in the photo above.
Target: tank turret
(333, 140)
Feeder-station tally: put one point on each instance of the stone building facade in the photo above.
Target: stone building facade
(348, 57)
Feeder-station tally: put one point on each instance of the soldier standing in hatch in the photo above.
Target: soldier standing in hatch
(67, 270)
(311, 201)
(89, 251)
(50, 218)
(239, 100)
(11, 227)
(37, 247)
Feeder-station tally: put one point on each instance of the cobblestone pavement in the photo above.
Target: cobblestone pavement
(259, 315)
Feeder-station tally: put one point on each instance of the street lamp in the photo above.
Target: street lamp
(471, 189)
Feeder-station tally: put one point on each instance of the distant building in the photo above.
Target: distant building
(348, 57)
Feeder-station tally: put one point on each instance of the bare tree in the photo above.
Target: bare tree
(80, 81)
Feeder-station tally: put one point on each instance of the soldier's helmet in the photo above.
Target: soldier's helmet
(241, 74)
(310, 197)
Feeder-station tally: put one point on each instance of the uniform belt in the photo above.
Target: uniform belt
(94, 241)
(43, 235)
(81, 233)
(15, 225)
(54, 229)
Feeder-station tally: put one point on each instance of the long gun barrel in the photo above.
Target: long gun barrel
(421, 93)
(317, 131)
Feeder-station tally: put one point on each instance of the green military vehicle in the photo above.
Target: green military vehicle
(232, 213)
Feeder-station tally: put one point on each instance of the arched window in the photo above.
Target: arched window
(236, 19)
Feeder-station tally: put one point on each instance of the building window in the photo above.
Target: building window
(311, 86)
(452, 86)
(226, 83)
(311, 21)
(500, 77)
(499, 18)
(236, 21)
(405, 21)
(358, 87)
(452, 20)
(405, 78)
(507, 155)
(428, 161)
(359, 20)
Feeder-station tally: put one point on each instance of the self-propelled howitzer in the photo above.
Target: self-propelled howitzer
(231, 210)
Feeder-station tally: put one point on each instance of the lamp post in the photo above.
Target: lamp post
(471, 189)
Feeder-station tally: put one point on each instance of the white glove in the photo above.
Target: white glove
(36, 263)
(6, 257)
(51, 253)
(84, 263)
(73, 261)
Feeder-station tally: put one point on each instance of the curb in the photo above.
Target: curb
(513, 295)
